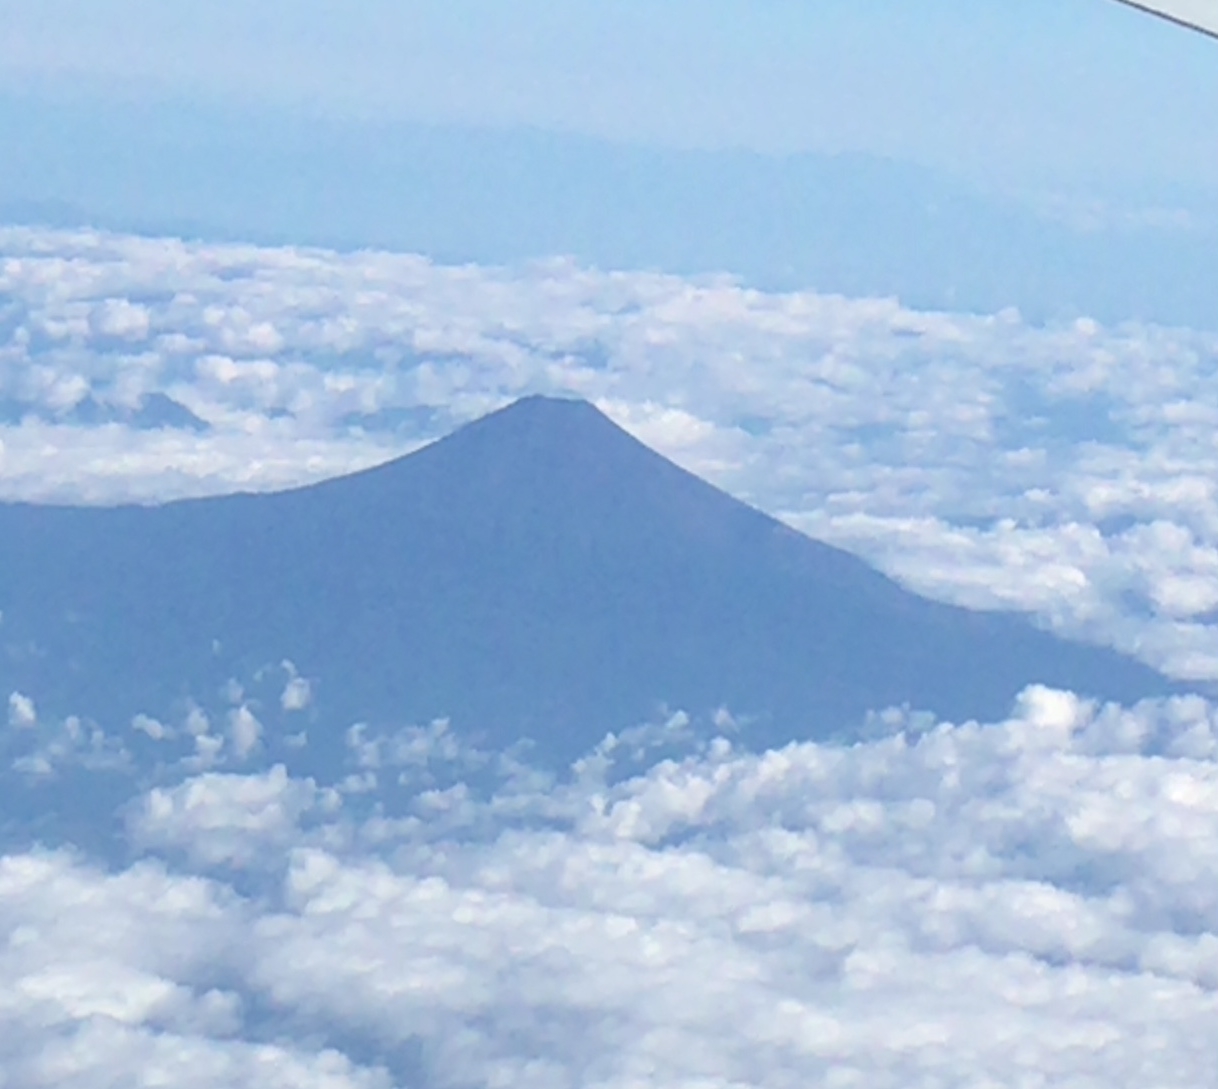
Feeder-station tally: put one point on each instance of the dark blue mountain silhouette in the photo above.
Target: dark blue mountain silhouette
(538, 573)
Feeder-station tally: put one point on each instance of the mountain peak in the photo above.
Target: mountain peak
(537, 418)
(553, 458)
(547, 404)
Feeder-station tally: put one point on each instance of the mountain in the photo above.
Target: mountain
(539, 573)
(852, 224)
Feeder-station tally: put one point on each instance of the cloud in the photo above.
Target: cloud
(245, 731)
(151, 727)
(231, 819)
(1066, 471)
(123, 319)
(21, 712)
(956, 904)
(297, 692)
(105, 982)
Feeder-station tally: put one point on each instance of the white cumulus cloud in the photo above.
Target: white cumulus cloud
(297, 692)
(245, 731)
(1028, 901)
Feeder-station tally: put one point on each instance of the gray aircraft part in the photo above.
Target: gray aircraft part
(1199, 15)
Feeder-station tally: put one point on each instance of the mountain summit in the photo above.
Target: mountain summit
(538, 573)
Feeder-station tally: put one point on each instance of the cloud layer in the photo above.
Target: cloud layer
(1028, 902)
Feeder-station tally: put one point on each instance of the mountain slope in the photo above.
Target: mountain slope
(538, 573)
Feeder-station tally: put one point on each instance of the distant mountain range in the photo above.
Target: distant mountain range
(852, 224)
(537, 574)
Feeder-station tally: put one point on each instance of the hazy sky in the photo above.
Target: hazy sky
(1041, 92)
